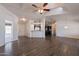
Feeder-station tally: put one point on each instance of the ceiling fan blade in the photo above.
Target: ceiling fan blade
(46, 9)
(45, 4)
(34, 5)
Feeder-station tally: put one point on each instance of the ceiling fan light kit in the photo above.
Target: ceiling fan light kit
(41, 10)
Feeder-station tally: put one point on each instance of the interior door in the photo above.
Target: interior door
(8, 32)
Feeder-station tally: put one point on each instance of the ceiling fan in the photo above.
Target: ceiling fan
(41, 9)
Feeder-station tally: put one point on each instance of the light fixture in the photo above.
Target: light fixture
(65, 27)
(23, 19)
(40, 11)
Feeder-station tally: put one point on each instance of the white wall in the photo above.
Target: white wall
(7, 15)
(2, 30)
(70, 20)
(28, 28)
(22, 29)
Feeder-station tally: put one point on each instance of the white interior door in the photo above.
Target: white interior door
(8, 32)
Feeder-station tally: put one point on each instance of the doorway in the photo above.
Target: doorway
(48, 30)
(8, 32)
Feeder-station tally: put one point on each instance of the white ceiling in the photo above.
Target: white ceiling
(27, 10)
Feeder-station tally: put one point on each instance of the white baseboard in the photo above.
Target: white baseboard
(71, 36)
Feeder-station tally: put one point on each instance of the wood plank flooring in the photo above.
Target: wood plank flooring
(50, 46)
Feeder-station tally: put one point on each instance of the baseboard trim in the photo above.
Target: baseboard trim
(67, 37)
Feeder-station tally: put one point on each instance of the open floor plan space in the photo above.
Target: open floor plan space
(39, 29)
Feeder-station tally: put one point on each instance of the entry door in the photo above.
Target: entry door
(8, 32)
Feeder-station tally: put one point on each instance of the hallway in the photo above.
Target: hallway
(58, 46)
